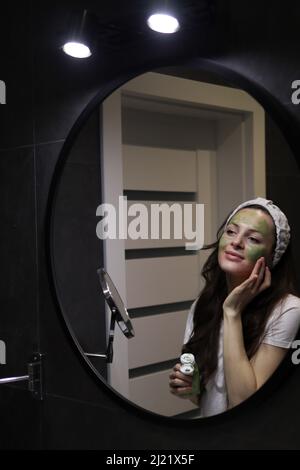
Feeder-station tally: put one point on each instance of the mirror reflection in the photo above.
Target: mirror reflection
(152, 191)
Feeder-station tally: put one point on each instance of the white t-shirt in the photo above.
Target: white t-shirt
(281, 329)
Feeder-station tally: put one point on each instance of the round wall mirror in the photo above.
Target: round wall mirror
(148, 182)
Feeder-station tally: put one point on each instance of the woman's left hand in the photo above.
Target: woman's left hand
(240, 296)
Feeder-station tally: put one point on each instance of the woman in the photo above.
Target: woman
(248, 313)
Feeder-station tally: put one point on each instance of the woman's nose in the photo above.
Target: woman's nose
(237, 241)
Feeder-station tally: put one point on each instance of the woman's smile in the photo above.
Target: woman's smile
(233, 256)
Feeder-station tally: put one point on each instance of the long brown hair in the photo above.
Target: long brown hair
(208, 312)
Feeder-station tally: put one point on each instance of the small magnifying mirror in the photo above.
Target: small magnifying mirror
(119, 314)
(115, 303)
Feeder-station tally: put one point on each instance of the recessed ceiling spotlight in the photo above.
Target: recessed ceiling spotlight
(80, 35)
(77, 49)
(163, 23)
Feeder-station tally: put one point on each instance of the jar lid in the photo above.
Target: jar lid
(187, 358)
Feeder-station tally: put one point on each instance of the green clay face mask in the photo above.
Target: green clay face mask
(253, 253)
(255, 244)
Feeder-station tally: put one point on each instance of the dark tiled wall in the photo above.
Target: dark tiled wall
(46, 92)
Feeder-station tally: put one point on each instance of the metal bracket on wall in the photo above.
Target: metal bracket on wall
(34, 376)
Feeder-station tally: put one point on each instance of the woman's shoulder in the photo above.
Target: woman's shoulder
(193, 306)
(283, 324)
(190, 321)
(190, 317)
(290, 301)
(289, 304)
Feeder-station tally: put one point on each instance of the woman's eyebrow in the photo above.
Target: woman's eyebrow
(249, 230)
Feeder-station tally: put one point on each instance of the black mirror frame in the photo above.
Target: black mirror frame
(289, 128)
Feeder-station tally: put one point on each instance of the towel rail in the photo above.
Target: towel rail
(34, 376)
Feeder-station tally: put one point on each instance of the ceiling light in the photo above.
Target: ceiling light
(77, 49)
(163, 23)
(80, 35)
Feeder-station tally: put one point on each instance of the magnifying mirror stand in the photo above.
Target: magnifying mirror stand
(119, 314)
(109, 350)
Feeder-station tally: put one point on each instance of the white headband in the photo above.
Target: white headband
(283, 231)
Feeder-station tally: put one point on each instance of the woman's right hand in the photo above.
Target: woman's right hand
(180, 384)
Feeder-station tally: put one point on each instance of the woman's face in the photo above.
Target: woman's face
(249, 235)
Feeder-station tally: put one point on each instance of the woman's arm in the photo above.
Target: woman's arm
(243, 376)
(239, 374)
